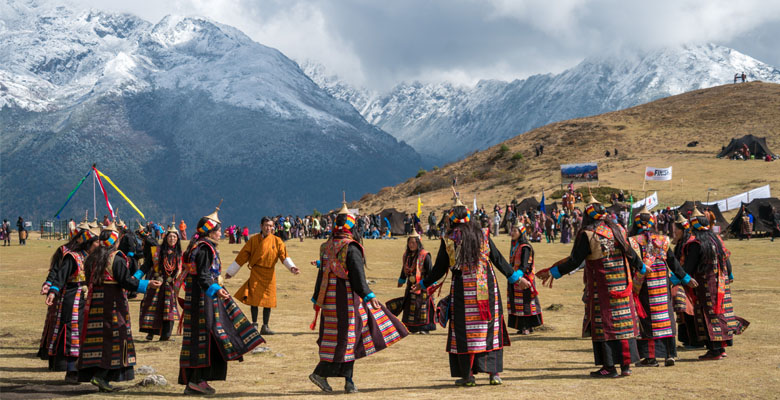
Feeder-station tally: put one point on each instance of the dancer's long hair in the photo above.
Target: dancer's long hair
(97, 262)
(710, 246)
(72, 245)
(470, 236)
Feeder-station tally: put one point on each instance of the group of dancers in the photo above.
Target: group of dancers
(636, 286)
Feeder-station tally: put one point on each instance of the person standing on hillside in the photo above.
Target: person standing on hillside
(610, 311)
(353, 323)
(261, 251)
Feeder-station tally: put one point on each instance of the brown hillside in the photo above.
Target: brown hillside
(653, 134)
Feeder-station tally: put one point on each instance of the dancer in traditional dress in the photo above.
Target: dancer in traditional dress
(477, 331)
(525, 312)
(215, 329)
(83, 233)
(686, 325)
(706, 258)
(159, 308)
(653, 291)
(108, 352)
(262, 251)
(418, 307)
(610, 311)
(66, 290)
(353, 324)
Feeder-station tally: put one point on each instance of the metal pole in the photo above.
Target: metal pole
(94, 202)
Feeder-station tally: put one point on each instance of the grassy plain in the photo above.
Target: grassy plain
(553, 363)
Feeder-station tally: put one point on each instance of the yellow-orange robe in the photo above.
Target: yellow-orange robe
(261, 253)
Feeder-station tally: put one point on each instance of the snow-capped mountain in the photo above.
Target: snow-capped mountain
(445, 122)
(180, 113)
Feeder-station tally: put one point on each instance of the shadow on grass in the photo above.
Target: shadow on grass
(544, 369)
(542, 338)
(29, 392)
(24, 369)
(20, 355)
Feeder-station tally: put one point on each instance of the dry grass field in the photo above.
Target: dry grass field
(553, 363)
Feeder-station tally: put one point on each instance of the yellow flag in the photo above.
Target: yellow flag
(419, 206)
(121, 193)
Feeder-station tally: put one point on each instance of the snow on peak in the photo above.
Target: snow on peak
(445, 122)
(57, 56)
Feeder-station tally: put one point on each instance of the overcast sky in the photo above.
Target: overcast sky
(379, 43)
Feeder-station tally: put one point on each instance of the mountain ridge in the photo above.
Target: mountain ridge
(444, 122)
(179, 113)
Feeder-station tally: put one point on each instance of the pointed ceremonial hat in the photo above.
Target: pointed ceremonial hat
(696, 212)
(457, 203)
(643, 210)
(111, 227)
(414, 234)
(592, 200)
(344, 209)
(213, 216)
(83, 225)
(680, 219)
(172, 228)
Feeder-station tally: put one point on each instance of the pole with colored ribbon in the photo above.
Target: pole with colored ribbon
(70, 196)
(120, 192)
(102, 189)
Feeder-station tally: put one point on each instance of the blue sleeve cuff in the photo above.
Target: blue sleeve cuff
(319, 263)
(686, 279)
(313, 301)
(138, 274)
(644, 269)
(674, 280)
(731, 276)
(213, 289)
(422, 284)
(401, 281)
(54, 288)
(555, 273)
(130, 254)
(515, 276)
(142, 284)
(369, 297)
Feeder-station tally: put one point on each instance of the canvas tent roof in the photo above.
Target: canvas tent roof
(719, 219)
(762, 215)
(756, 145)
(396, 219)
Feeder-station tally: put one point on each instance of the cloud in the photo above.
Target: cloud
(379, 44)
